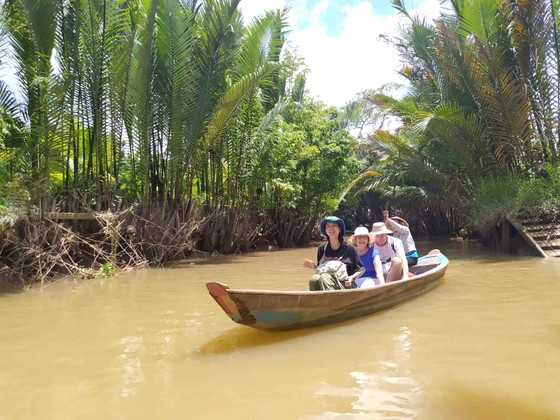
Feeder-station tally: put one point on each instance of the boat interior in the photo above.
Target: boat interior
(425, 264)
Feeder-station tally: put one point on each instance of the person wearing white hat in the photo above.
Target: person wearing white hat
(362, 239)
(391, 253)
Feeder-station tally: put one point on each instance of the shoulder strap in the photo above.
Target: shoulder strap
(321, 253)
(392, 242)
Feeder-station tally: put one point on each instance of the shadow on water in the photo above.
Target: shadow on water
(462, 402)
(213, 260)
(9, 288)
(241, 337)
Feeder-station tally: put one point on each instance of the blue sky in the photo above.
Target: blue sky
(339, 40)
(331, 16)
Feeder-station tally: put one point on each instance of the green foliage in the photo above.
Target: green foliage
(12, 127)
(540, 196)
(363, 113)
(157, 102)
(141, 99)
(498, 198)
(480, 111)
(311, 159)
(14, 201)
(107, 269)
(495, 199)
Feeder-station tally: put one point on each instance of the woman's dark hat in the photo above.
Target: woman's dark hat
(332, 219)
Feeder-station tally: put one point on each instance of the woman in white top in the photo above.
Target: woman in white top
(401, 231)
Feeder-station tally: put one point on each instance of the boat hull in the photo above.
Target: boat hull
(286, 310)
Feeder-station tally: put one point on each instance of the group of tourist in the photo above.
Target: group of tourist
(367, 259)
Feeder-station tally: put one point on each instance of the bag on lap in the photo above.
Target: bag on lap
(336, 268)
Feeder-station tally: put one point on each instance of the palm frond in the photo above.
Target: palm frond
(232, 99)
(42, 20)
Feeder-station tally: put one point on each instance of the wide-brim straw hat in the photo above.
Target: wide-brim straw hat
(379, 228)
(399, 220)
(362, 231)
(332, 219)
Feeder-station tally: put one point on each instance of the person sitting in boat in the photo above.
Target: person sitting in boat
(391, 253)
(363, 240)
(400, 229)
(336, 251)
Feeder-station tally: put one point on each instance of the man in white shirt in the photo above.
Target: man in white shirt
(391, 252)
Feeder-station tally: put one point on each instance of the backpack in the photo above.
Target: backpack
(334, 267)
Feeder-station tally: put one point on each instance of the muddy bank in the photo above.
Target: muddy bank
(44, 247)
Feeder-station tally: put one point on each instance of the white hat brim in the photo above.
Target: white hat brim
(371, 237)
(381, 232)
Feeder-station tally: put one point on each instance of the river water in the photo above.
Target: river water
(153, 344)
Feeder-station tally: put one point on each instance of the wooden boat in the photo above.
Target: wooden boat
(289, 310)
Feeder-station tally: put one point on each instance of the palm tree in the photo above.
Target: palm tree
(483, 102)
(152, 86)
(31, 29)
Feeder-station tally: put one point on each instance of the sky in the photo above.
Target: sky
(339, 40)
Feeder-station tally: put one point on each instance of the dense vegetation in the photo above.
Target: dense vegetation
(176, 111)
(480, 123)
(182, 127)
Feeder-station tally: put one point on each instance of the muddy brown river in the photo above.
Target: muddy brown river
(153, 344)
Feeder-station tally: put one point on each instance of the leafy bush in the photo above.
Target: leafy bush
(497, 198)
(540, 196)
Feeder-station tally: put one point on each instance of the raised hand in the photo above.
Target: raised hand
(385, 215)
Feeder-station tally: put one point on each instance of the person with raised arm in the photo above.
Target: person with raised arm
(401, 230)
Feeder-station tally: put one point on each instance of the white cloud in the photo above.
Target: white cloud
(355, 58)
(318, 10)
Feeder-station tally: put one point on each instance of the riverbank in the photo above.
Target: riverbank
(42, 248)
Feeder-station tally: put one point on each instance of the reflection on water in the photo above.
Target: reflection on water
(132, 374)
(387, 391)
(154, 344)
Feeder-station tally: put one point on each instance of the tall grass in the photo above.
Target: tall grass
(498, 198)
(540, 196)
